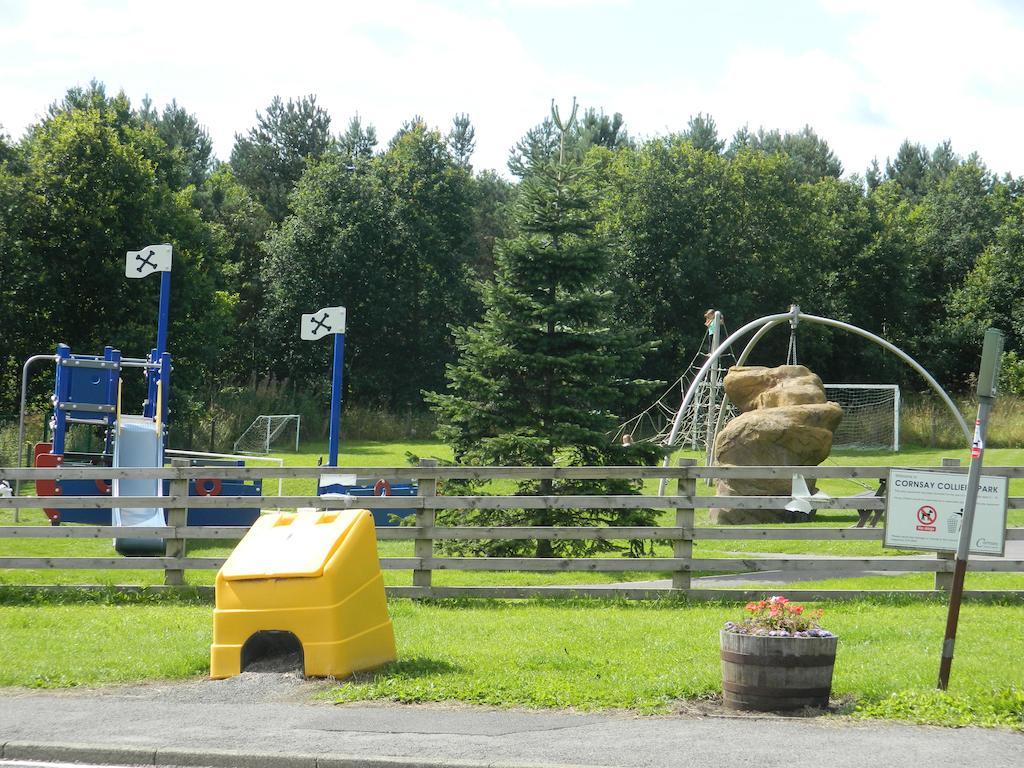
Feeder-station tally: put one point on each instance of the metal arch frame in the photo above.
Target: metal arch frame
(794, 316)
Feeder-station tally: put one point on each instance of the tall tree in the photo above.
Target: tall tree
(812, 158)
(20, 316)
(873, 175)
(391, 239)
(358, 141)
(189, 141)
(955, 222)
(597, 129)
(91, 190)
(909, 169)
(333, 250)
(742, 139)
(492, 195)
(538, 377)
(271, 157)
(702, 131)
(462, 139)
(942, 163)
(240, 225)
(431, 199)
(991, 293)
(543, 142)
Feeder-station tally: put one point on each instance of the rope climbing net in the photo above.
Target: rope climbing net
(654, 423)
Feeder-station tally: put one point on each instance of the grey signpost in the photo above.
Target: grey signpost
(988, 378)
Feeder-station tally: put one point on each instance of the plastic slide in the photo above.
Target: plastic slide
(138, 444)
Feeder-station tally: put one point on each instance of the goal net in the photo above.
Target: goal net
(269, 431)
(871, 415)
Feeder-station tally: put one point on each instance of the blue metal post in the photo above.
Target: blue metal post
(165, 387)
(165, 309)
(61, 390)
(152, 377)
(113, 378)
(339, 359)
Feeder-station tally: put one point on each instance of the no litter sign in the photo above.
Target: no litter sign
(924, 510)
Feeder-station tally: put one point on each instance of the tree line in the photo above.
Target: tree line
(925, 249)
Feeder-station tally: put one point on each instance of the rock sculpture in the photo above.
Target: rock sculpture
(785, 421)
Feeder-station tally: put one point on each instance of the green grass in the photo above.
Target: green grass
(588, 655)
(60, 641)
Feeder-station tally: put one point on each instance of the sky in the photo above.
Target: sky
(864, 74)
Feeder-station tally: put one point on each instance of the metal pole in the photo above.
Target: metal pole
(336, 380)
(709, 416)
(896, 420)
(21, 417)
(165, 310)
(986, 398)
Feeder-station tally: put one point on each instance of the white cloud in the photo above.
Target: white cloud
(926, 71)
(386, 62)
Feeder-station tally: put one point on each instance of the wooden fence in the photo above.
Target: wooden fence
(424, 562)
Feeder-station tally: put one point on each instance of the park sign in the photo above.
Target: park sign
(924, 509)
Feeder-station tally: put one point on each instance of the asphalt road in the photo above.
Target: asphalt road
(272, 719)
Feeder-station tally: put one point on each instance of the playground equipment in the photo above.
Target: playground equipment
(350, 485)
(88, 395)
(871, 412)
(697, 428)
(311, 577)
(330, 321)
(794, 316)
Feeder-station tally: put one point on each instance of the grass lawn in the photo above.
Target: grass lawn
(589, 655)
(645, 657)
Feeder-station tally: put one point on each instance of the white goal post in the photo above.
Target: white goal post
(261, 434)
(871, 415)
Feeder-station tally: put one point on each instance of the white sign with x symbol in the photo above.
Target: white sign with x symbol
(152, 258)
(323, 322)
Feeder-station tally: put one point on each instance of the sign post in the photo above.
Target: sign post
(988, 378)
(330, 321)
(143, 263)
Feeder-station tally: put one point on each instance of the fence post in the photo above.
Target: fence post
(944, 580)
(424, 547)
(177, 517)
(683, 548)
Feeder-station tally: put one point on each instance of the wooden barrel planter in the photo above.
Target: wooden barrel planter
(776, 673)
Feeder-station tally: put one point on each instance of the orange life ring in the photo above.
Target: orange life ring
(208, 486)
(382, 488)
(103, 486)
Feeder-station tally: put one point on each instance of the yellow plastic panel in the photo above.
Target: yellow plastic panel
(286, 545)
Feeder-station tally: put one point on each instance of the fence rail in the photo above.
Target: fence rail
(425, 533)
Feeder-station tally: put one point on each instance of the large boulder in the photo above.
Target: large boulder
(786, 421)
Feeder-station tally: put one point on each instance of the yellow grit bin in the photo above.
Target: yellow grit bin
(314, 574)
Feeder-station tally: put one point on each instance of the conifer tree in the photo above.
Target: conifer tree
(539, 376)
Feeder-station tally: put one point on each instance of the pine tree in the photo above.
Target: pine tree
(538, 377)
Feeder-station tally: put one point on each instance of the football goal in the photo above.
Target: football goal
(871, 415)
(268, 430)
